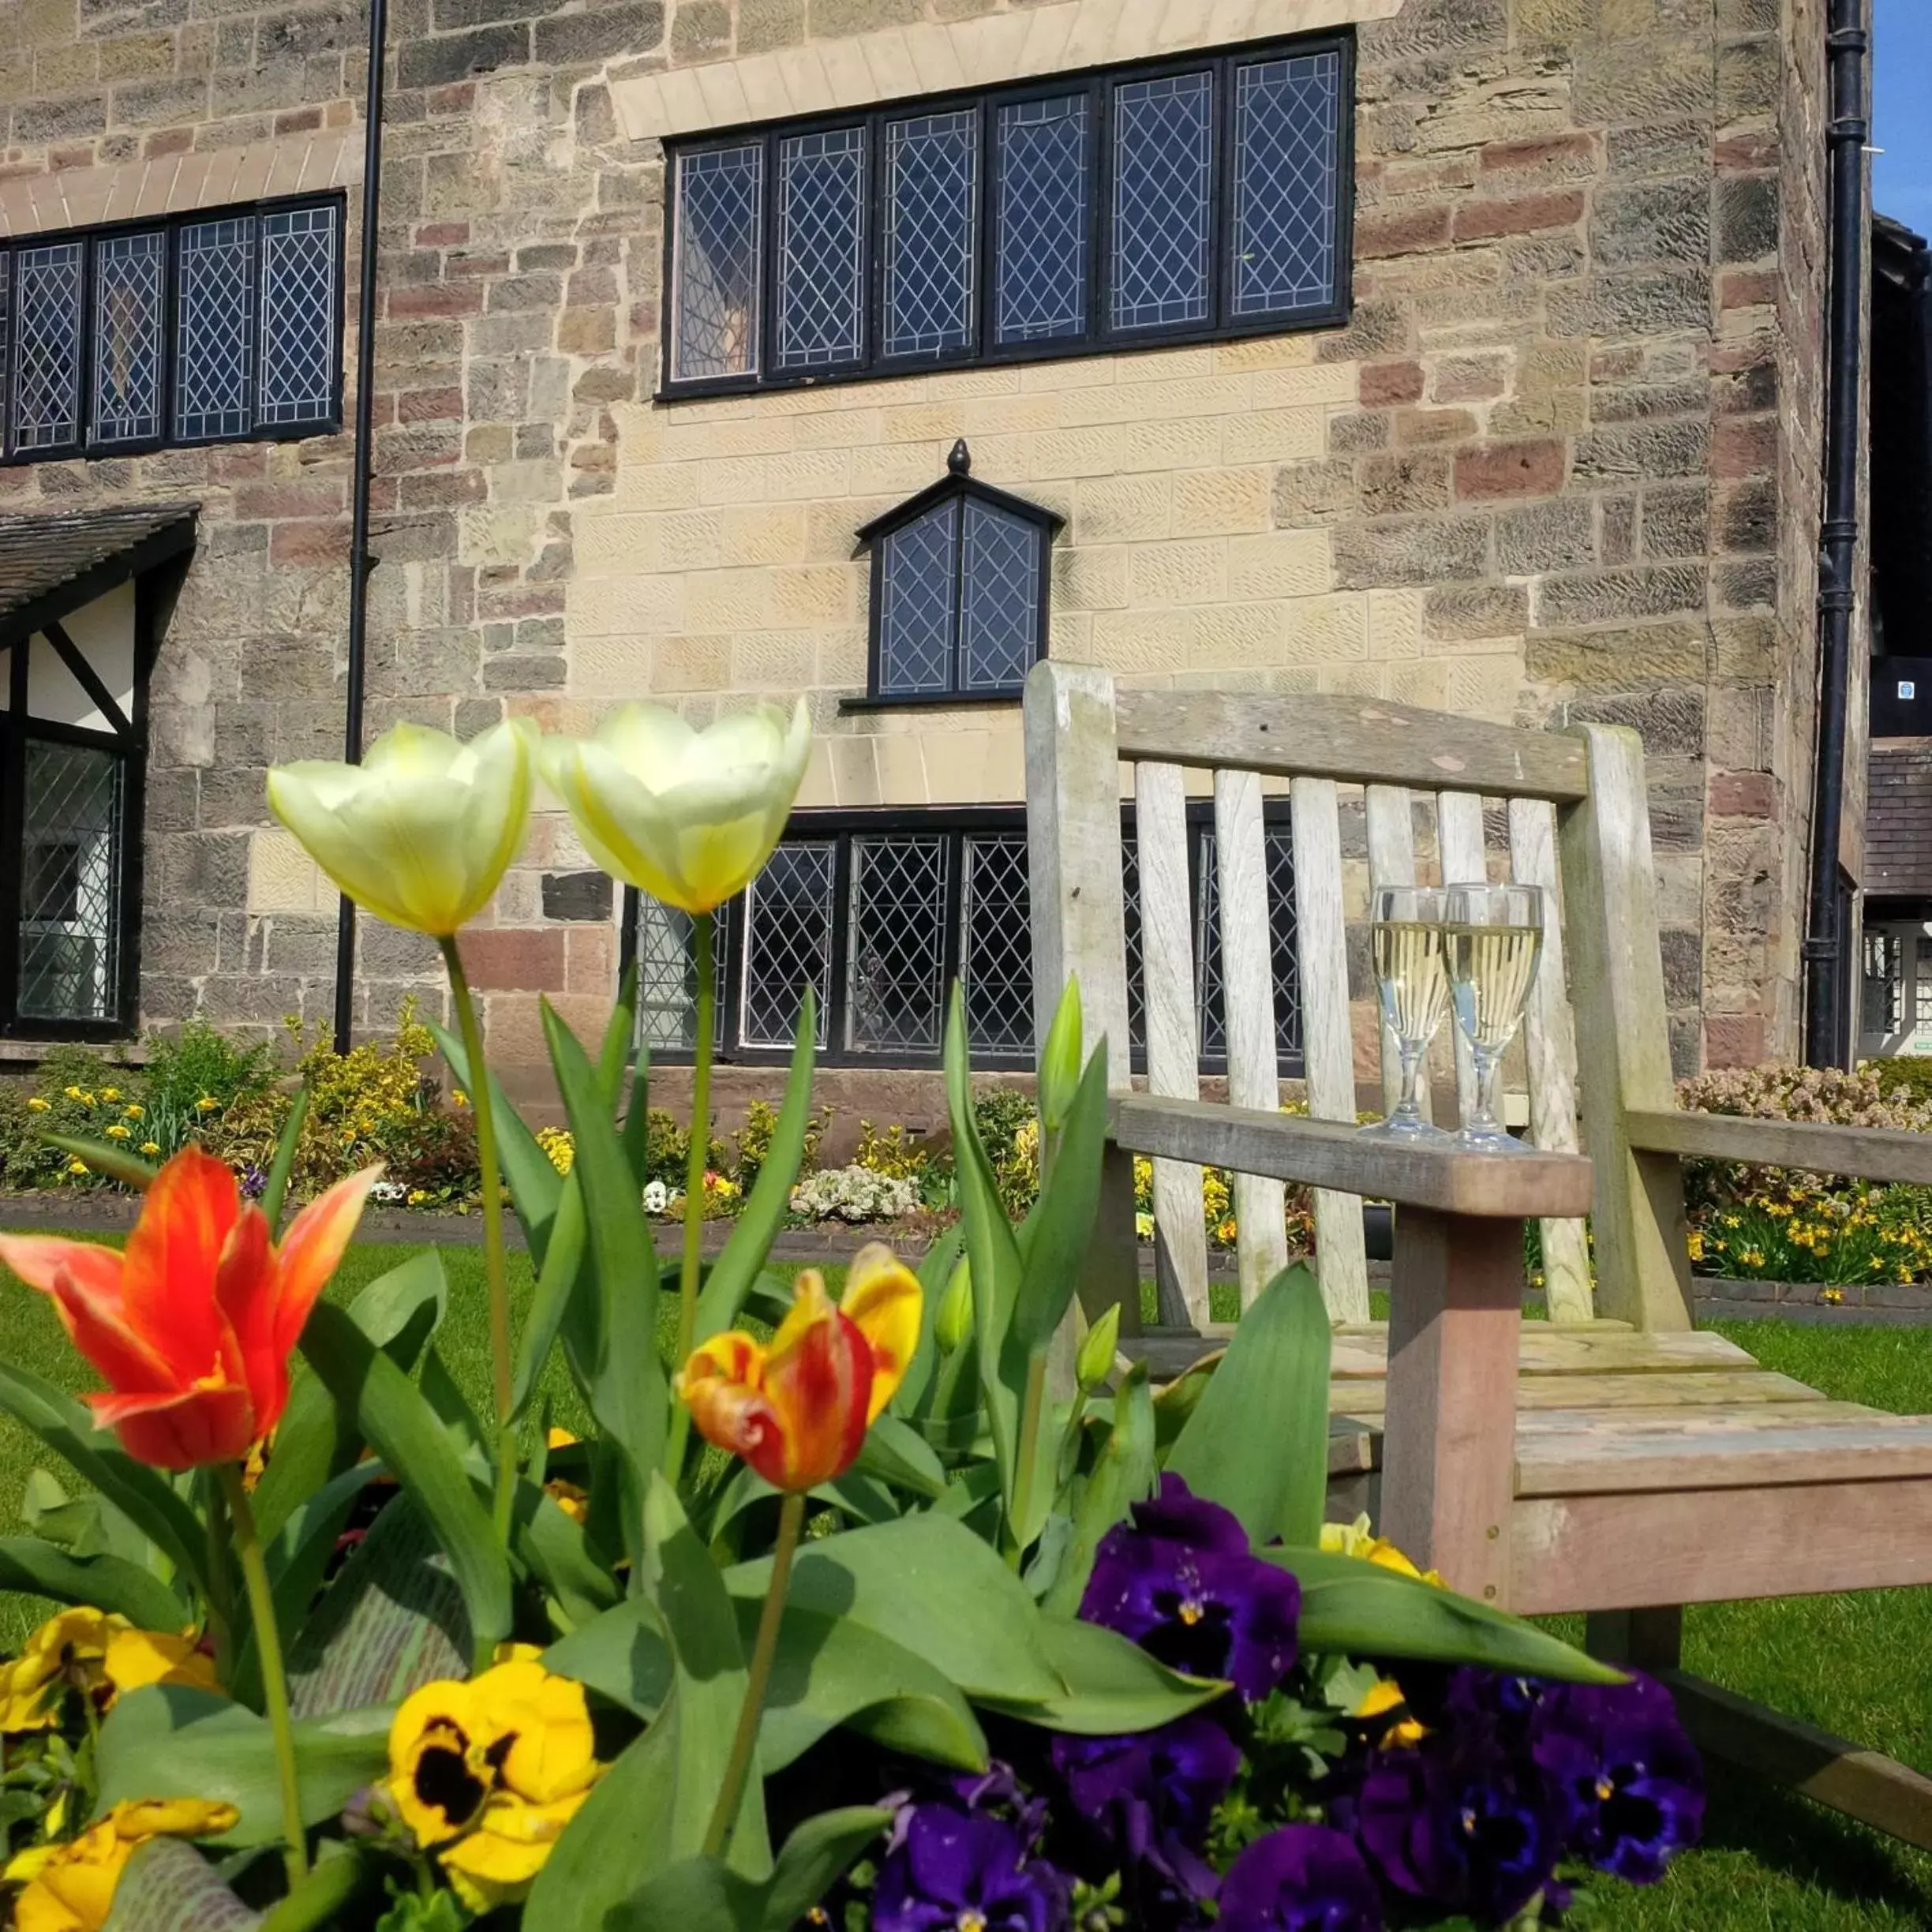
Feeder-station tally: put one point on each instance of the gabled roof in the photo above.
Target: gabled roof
(959, 481)
(51, 565)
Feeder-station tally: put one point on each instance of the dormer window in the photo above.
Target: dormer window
(960, 578)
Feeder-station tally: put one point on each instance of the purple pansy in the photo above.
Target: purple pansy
(1302, 1878)
(1619, 1755)
(1150, 1798)
(1184, 1585)
(1459, 1822)
(948, 1869)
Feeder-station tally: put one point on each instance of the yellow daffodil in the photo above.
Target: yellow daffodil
(100, 1654)
(120, 1132)
(422, 831)
(1357, 1539)
(150, 1147)
(36, 1105)
(70, 1887)
(689, 817)
(132, 1112)
(110, 1093)
(77, 1165)
(487, 1774)
(207, 1104)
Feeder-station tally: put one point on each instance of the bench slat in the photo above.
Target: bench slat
(1688, 1391)
(1869, 1153)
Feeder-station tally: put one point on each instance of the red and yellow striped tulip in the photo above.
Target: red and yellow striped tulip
(797, 1411)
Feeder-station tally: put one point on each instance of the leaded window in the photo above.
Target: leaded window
(959, 590)
(1202, 198)
(71, 872)
(881, 913)
(207, 328)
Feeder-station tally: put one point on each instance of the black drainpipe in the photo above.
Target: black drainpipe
(1847, 40)
(361, 563)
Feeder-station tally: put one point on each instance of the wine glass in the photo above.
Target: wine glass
(1493, 937)
(1405, 940)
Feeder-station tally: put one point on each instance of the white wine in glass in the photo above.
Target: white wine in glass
(1405, 943)
(1493, 937)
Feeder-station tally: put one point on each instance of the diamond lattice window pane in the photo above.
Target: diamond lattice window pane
(932, 205)
(128, 304)
(1208, 978)
(70, 883)
(1045, 216)
(1136, 971)
(715, 277)
(667, 1013)
(1163, 170)
(214, 332)
(299, 315)
(898, 941)
(822, 202)
(999, 637)
(6, 330)
(788, 941)
(1287, 116)
(1280, 846)
(996, 961)
(919, 574)
(47, 349)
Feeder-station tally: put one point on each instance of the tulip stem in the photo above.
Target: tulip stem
(1032, 1409)
(275, 1682)
(744, 1745)
(494, 1269)
(696, 1157)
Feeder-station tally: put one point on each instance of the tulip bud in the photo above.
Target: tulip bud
(1095, 1362)
(1060, 1061)
(953, 1321)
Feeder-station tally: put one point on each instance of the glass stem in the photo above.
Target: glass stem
(274, 1683)
(703, 927)
(1488, 1063)
(744, 1744)
(495, 1268)
(1409, 1108)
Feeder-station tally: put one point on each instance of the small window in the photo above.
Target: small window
(959, 590)
(1202, 198)
(204, 329)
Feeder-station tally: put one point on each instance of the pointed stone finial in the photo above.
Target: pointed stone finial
(959, 460)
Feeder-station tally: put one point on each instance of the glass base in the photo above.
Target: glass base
(1490, 1140)
(1413, 1132)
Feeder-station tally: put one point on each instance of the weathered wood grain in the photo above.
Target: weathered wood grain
(1172, 1033)
(1549, 1041)
(1361, 740)
(1689, 1393)
(1248, 1015)
(1868, 1153)
(1328, 1036)
(1327, 1154)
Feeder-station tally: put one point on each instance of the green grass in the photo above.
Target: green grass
(1859, 1665)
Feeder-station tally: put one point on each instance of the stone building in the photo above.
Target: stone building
(1463, 352)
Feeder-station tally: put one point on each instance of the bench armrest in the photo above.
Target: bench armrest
(1326, 1154)
(1861, 1153)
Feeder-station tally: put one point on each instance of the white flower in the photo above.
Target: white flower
(388, 1191)
(855, 1194)
(657, 1197)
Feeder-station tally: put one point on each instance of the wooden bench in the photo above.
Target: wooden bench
(1612, 1460)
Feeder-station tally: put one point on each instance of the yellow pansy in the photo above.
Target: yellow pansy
(70, 1887)
(1357, 1539)
(1386, 1697)
(98, 1653)
(488, 1772)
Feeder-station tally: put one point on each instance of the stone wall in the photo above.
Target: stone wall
(1543, 475)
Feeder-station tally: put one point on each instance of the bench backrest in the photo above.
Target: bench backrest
(1572, 818)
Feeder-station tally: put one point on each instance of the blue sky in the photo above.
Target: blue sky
(1902, 88)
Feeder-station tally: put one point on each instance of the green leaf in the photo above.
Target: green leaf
(935, 1273)
(737, 1265)
(1060, 1061)
(105, 1158)
(168, 1741)
(610, 1331)
(933, 1587)
(1060, 1228)
(340, 1874)
(1113, 1685)
(398, 1312)
(168, 1886)
(1257, 1442)
(276, 1191)
(558, 1553)
(108, 1582)
(896, 1453)
(827, 1671)
(529, 1173)
(391, 1621)
(1353, 1608)
(556, 1280)
(406, 1434)
(142, 1494)
(619, 1037)
(1122, 1475)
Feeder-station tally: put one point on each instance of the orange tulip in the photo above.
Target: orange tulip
(798, 1411)
(191, 1327)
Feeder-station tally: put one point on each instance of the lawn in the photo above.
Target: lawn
(1859, 1665)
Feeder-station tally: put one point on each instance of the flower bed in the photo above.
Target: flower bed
(844, 1609)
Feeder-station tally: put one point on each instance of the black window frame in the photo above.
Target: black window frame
(87, 446)
(840, 826)
(983, 350)
(958, 488)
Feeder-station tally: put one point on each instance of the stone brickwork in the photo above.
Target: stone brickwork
(1562, 464)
